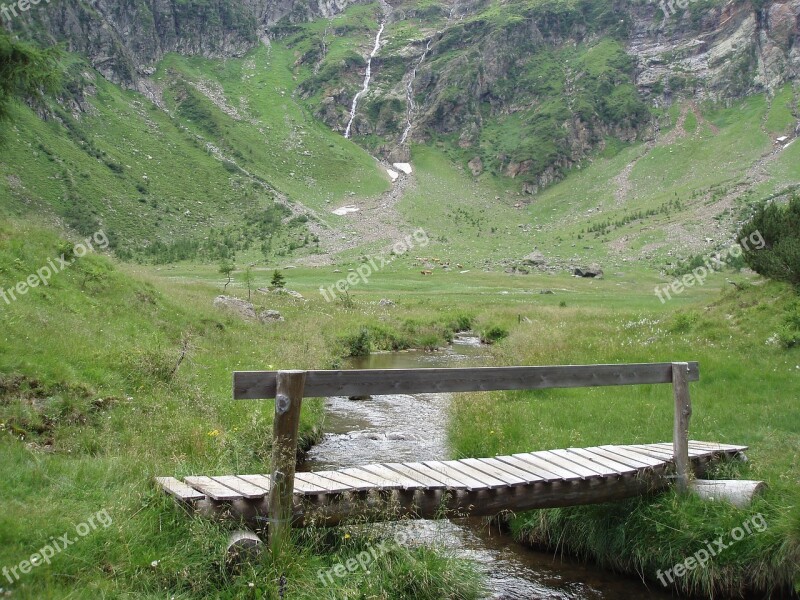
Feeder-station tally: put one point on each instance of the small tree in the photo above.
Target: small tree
(226, 267)
(248, 280)
(776, 229)
(278, 280)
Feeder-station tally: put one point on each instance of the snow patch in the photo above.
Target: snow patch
(345, 210)
(404, 167)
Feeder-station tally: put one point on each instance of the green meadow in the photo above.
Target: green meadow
(95, 400)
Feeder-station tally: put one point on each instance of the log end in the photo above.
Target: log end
(243, 546)
(739, 492)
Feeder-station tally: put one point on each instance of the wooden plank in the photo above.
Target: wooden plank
(437, 475)
(652, 451)
(426, 480)
(564, 465)
(592, 467)
(605, 461)
(717, 446)
(491, 482)
(545, 470)
(494, 471)
(179, 489)
(456, 474)
(354, 484)
(246, 489)
(211, 488)
(375, 382)
(629, 457)
(258, 480)
(376, 481)
(515, 470)
(438, 505)
(404, 481)
(313, 483)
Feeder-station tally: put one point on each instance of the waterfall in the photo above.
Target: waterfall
(367, 77)
(410, 107)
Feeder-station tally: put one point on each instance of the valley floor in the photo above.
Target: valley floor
(95, 400)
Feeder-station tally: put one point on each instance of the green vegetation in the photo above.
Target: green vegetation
(779, 228)
(26, 72)
(746, 395)
(109, 380)
(278, 280)
(113, 166)
(119, 369)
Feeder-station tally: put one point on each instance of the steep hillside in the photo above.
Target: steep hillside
(198, 177)
(584, 131)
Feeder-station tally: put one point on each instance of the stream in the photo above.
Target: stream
(402, 428)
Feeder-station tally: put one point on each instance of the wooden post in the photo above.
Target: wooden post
(288, 400)
(680, 433)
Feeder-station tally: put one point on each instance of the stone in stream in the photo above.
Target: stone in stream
(367, 397)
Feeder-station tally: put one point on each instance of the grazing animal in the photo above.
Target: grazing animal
(458, 266)
(426, 272)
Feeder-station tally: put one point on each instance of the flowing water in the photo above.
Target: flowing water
(367, 77)
(402, 428)
(410, 105)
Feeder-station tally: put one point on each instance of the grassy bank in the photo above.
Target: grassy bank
(747, 394)
(95, 400)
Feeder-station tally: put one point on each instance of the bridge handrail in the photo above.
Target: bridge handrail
(252, 385)
(290, 387)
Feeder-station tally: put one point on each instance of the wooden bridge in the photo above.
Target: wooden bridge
(437, 489)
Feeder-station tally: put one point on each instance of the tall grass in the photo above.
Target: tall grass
(747, 394)
(95, 402)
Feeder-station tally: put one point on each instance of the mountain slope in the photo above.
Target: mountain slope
(585, 131)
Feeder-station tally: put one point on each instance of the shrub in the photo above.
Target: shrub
(358, 344)
(789, 335)
(460, 322)
(779, 227)
(278, 280)
(493, 334)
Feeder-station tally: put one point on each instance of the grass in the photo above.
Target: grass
(93, 407)
(746, 395)
(95, 402)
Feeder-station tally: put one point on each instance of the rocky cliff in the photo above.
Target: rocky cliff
(524, 88)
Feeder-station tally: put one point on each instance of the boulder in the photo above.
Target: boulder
(593, 271)
(386, 302)
(241, 308)
(476, 166)
(270, 316)
(282, 291)
(534, 259)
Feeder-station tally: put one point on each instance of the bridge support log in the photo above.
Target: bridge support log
(740, 493)
(243, 546)
(334, 509)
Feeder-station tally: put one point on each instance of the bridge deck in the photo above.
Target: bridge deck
(541, 479)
